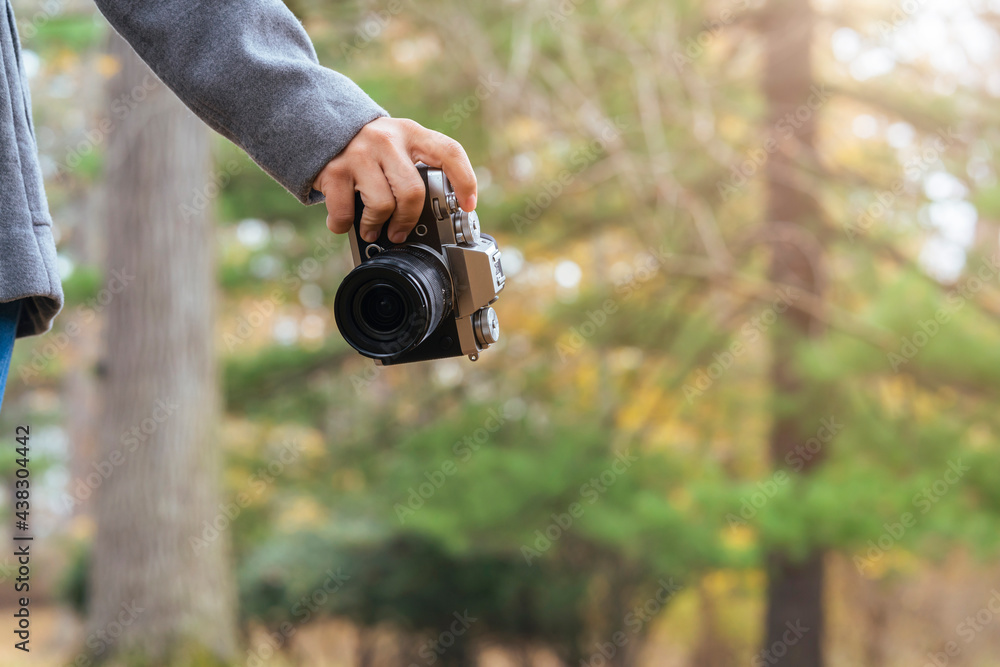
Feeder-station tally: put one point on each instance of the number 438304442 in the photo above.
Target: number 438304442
(21, 483)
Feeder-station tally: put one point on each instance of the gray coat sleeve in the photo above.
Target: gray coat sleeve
(248, 69)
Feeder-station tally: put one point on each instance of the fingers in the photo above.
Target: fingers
(438, 150)
(339, 192)
(379, 163)
(409, 191)
(377, 197)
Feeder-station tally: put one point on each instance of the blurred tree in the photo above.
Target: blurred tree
(795, 583)
(625, 145)
(159, 442)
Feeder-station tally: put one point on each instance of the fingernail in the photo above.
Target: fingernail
(398, 237)
(370, 235)
(471, 201)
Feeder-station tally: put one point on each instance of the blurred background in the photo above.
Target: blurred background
(744, 406)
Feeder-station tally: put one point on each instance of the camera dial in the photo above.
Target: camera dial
(467, 227)
(487, 327)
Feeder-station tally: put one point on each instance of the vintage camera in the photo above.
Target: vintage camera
(428, 297)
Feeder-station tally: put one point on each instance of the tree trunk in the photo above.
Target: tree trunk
(794, 625)
(81, 389)
(155, 593)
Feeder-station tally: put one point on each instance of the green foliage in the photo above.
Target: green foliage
(277, 381)
(427, 506)
(425, 522)
(74, 583)
(83, 285)
(73, 33)
(408, 581)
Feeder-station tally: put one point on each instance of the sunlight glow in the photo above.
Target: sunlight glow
(568, 274)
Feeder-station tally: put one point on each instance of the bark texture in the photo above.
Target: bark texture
(176, 596)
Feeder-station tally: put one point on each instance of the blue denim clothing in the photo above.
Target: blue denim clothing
(10, 313)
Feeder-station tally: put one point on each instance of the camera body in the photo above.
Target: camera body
(428, 297)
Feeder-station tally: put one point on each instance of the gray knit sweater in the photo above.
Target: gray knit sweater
(245, 67)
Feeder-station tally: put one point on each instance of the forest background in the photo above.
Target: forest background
(740, 412)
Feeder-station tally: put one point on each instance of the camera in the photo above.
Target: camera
(428, 297)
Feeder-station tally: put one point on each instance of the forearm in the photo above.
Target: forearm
(248, 69)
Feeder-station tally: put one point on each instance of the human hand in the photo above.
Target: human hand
(379, 163)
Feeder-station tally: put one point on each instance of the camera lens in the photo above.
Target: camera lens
(390, 304)
(381, 309)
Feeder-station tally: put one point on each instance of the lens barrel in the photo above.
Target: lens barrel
(390, 304)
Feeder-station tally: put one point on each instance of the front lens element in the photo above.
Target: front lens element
(389, 304)
(381, 309)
